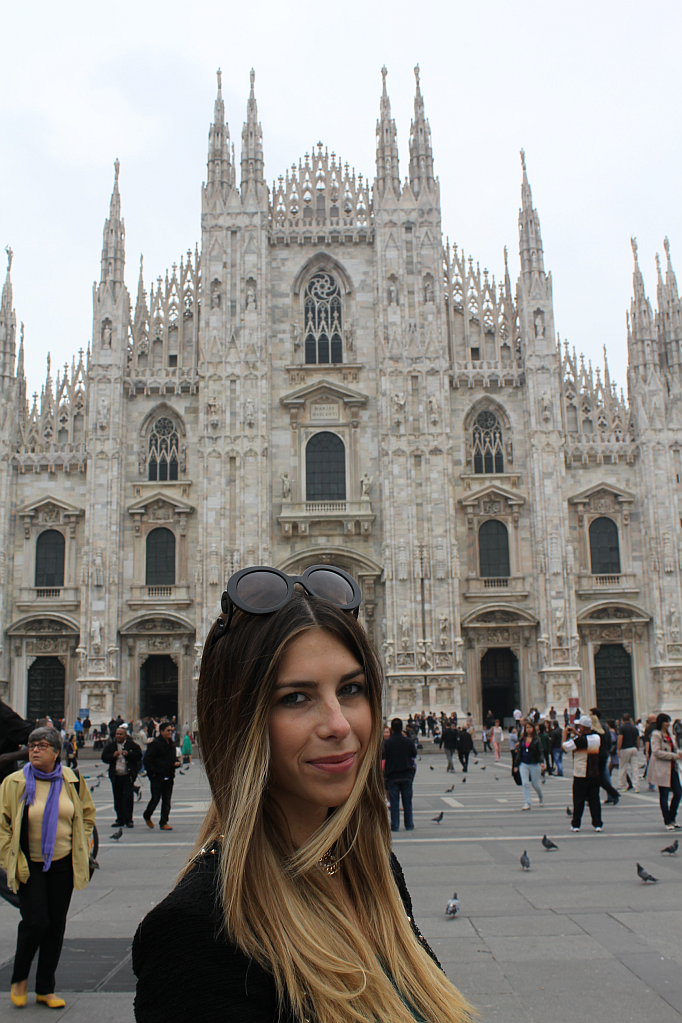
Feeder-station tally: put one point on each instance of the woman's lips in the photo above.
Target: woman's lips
(334, 765)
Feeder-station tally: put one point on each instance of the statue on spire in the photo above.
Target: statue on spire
(523, 159)
(117, 167)
(219, 76)
(10, 255)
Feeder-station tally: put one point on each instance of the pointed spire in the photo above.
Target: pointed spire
(642, 343)
(388, 171)
(252, 144)
(113, 241)
(8, 326)
(530, 239)
(220, 171)
(669, 315)
(670, 278)
(141, 310)
(20, 357)
(421, 153)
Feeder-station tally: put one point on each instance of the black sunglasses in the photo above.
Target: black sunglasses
(261, 590)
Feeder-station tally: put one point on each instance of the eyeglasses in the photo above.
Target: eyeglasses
(261, 590)
(42, 746)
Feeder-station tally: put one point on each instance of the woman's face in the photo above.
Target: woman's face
(665, 725)
(320, 725)
(387, 732)
(529, 731)
(43, 756)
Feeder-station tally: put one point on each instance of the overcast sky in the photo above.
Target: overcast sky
(591, 90)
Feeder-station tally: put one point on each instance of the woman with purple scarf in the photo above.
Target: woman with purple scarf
(46, 819)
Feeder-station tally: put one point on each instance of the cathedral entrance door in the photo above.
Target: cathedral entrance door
(613, 678)
(500, 692)
(46, 680)
(159, 687)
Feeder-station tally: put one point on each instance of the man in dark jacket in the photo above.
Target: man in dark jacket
(449, 740)
(160, 762)
(399, 769)
(124, 758)
(465, 745)
(604, 753)
(14, 732)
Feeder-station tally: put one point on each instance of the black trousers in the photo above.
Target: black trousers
(123, 797)
(586, 790)
(161, 790)
(44, 903)
(463, 759)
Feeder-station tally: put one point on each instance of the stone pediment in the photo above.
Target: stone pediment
(600, 491)
(159, 502)
(49, 509)
(323, 390)
(493, 493)
(496, 615)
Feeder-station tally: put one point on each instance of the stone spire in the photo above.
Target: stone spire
(642, 345)
(252, 145)
(113, 242)
(388, 172)
(530, 239)
(220, 172)
(141, 310)
(669, 314)
(421, 153)
(8, 327)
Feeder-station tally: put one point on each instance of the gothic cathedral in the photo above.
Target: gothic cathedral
(324, 380)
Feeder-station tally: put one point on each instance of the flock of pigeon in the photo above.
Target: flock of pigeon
(453, 905)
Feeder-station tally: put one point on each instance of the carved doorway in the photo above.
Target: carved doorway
(613, 680)
(46, 685)
(159, 687)
(500, 690)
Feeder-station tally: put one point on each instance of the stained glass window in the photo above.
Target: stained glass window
(323, 338)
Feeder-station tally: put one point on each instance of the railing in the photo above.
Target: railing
(159, 591)
(48, 594)
(496, 583)
(607, 580)
(316, 507)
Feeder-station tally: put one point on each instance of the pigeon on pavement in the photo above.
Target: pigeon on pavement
(431, 767)
(439, 818)
(464, 781)
(497, 777)
(483, 768)
(671, 849)
(452, 907)
(475, 761)
(548, 843)
(644, 876)
(117, 834)
(569, 812)
(524, 861)
(451, 789)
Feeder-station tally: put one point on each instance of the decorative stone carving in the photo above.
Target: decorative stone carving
(286, 486)
(405, 631)
(402, 560)
(213, 575)
(96, 635)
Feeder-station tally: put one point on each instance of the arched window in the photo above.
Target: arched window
(160, 558)
(163, 450)
(488, 449)
(50, 559)
(323, 338)
(493, 549)
(325, 468)
(604, 550)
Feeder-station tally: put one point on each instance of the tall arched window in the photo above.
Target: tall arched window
(50, 559)
(493, 549)
(323, 338)
(163, 450)
(325, 468)
(160, 558)
(488, 449)
(604, 549)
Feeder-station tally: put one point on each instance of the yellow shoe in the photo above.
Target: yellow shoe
(18, 1000)
(51, 1001)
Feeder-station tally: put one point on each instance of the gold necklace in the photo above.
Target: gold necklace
(329, 863)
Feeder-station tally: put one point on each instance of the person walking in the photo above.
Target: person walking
(527, 757)
(400, 754)
(646, 740)
(546, 744)
(46, 820)
(664, 771)
(584, 744)
(557, 751)
(464, 747)
(187, 749)
(448, 741)
(87, 725)
(604, 755)
(485, 739)
(627, 745)
(498, 739)
(160, 762)
(124, 758)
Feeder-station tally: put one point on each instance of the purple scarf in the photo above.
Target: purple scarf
(51, 814)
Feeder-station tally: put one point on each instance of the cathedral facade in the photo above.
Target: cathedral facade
(323, 380)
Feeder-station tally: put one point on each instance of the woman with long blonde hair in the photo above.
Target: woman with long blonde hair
(292, 906)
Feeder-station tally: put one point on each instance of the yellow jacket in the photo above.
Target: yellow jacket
(11, 812)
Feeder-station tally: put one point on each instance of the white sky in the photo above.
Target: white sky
(591, 90)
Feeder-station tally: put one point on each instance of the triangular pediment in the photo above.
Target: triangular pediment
(160, 499)
(492, 492)
(608, 489)
(45, 504)
(323, 389)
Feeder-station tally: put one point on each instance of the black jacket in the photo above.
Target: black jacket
(179, 948)
(160, 759)
(535, 751)
(400, 754)
(131, 752)
(449, 738)
(14, 732)
(465, 743)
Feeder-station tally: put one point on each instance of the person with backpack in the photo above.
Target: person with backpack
(449, 740)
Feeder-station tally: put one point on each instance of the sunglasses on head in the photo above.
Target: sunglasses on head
(261, 590)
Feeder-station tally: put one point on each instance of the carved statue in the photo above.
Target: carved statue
(434, 408)
(570, 558)
(559, 620)
(423, 646)
(405, 631)
(96, 635)
(365, 483)
(539, 324)
(428, 292)
(250, 411)
(348, 334)
(459, 650)
(387, 647)
(392, 294)
(443, 623)
(399, 400)
(250, 297)
(297, 336)
(85, 564)
(543, 643)
(99, 567)
(103, 414)
(215, 294)
(106, 334)
(286, 486)
(546, 407)
(674, 627)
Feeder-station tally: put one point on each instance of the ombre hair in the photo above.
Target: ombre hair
(280, 907)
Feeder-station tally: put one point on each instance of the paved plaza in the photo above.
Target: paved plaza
(576, 938)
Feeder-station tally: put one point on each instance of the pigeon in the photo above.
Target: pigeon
(644, 876)
(569, 812)
(464, 781)
(524, 861)
(451, 789)
(497, 777)
(117, 834)
(138, 792)
(483, 768)
(452, 907)
(475, 761)
(548, 843)
(95, 786)
(94, 864)
(671, 849)
(431, 768)
(439, 818)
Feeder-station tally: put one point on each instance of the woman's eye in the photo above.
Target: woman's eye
(293, 699)
(353, 689)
